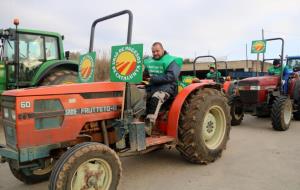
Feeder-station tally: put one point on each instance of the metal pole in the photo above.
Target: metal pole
(215, 61)
(129, 31)
(17, 57)
(281, 57)
(263, 37)
(247, 57)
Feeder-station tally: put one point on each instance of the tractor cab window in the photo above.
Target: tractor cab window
(1, 49)
(9, 49)
(31, 55)
(51, 48)
(9, 55)
(293, 63)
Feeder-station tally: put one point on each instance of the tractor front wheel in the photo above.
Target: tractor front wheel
(87, 166)
(281, 113)
(204, 126)
(60, 77)
(236, 110)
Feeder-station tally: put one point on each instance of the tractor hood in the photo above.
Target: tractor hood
(68, 89)
(266, 81)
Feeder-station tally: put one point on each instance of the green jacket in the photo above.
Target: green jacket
(212, 75)
(163, 74)
(274, 70)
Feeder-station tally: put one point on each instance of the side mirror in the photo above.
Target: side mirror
(67, 55)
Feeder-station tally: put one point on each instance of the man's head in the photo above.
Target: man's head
(212, 68)
(157, 50)
(276, 63)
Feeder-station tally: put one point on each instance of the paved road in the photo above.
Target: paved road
(257, 158)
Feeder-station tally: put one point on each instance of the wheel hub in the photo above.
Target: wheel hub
(210, 126)
(214, 127)
(94, 174)
(92, 181)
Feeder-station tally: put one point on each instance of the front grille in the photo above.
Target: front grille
(10, 133)
(8, 103)
(248, 83)
(249, 96)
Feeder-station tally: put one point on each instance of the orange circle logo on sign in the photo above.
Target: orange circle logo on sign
(86, 68)
(259, 46)
(125, 63)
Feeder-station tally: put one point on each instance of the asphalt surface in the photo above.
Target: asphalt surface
(256, 158)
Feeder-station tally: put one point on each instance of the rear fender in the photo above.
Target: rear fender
(174, 114)
(50, 66)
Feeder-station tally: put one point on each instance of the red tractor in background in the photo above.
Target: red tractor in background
(227, 85)
(83, 129)
(273, 95)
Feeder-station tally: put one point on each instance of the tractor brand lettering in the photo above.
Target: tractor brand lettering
(126, 63)
(98, 109)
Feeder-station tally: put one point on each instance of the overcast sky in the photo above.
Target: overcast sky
(187, 28)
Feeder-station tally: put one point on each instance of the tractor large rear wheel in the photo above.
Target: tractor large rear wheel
(297, 114)
(60, 77)
(236, 110)
(297, 100)
(87, 166)
(281, 113)
(204, 126)
(29, 176)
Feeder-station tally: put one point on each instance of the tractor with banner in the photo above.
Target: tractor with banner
(273, 95)
(33, 58)
(79, 131)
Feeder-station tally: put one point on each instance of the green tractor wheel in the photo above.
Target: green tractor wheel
(29, 176)
(60, 77)
(204, 126)
(87, 166)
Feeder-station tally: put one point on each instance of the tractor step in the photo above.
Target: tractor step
(159, 140)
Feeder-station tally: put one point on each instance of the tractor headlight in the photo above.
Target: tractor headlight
(13, 115)
(5, 113)
(254, 87)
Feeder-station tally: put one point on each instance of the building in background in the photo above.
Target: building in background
(235, 69)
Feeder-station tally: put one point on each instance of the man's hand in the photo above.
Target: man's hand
(141, 86)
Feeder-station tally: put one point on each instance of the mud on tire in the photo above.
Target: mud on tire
(60, 77)
(204, 126)
(281, 113)
(30, 177)
(236, 110)
(84, 166)
(297, 100)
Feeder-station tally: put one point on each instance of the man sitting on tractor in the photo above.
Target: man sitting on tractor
(212, 73)
(162, 72)
(275, 69)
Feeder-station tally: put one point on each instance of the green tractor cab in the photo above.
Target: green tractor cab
(33, 58)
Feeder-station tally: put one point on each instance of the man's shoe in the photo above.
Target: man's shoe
(148, 127)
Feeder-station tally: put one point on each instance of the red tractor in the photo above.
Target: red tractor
(83, 129)
(274, 95)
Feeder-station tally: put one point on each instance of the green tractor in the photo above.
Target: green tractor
(39, 59)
